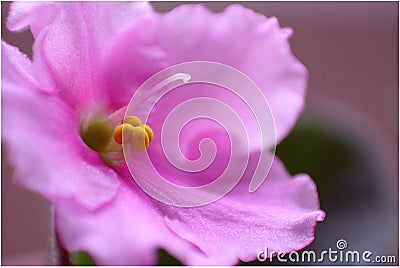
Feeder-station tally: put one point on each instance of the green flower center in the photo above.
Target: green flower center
(106, 138)
(97, 135)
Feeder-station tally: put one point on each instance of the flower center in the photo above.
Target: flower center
(97, 134)
(101, 135)
(132, 130)
(106, 135)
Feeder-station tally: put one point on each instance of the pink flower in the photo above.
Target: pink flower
(89, 58)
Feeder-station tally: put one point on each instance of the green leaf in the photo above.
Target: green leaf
(323, 154)
(164, 259)
(82, 259)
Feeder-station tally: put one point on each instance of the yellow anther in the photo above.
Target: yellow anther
(149, 132)
(133, 120)
(139, 139)
(123, 130)
(140, 135)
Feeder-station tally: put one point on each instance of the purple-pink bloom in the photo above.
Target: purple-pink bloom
(88, 60)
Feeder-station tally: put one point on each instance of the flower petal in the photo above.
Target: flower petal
(128, 231)
(42, 135)
(75, 42)
(247, 41)
(37, 15)
(226, 121)
(133, 57)
(16, 67)
(281, 216)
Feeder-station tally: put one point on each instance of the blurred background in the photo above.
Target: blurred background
(346, 139)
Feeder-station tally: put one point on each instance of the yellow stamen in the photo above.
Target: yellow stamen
(139, 139)
(138, 134)
(133, 120)
(122, 130)
(149, 132)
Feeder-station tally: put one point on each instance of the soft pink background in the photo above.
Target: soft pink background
(351, 52)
